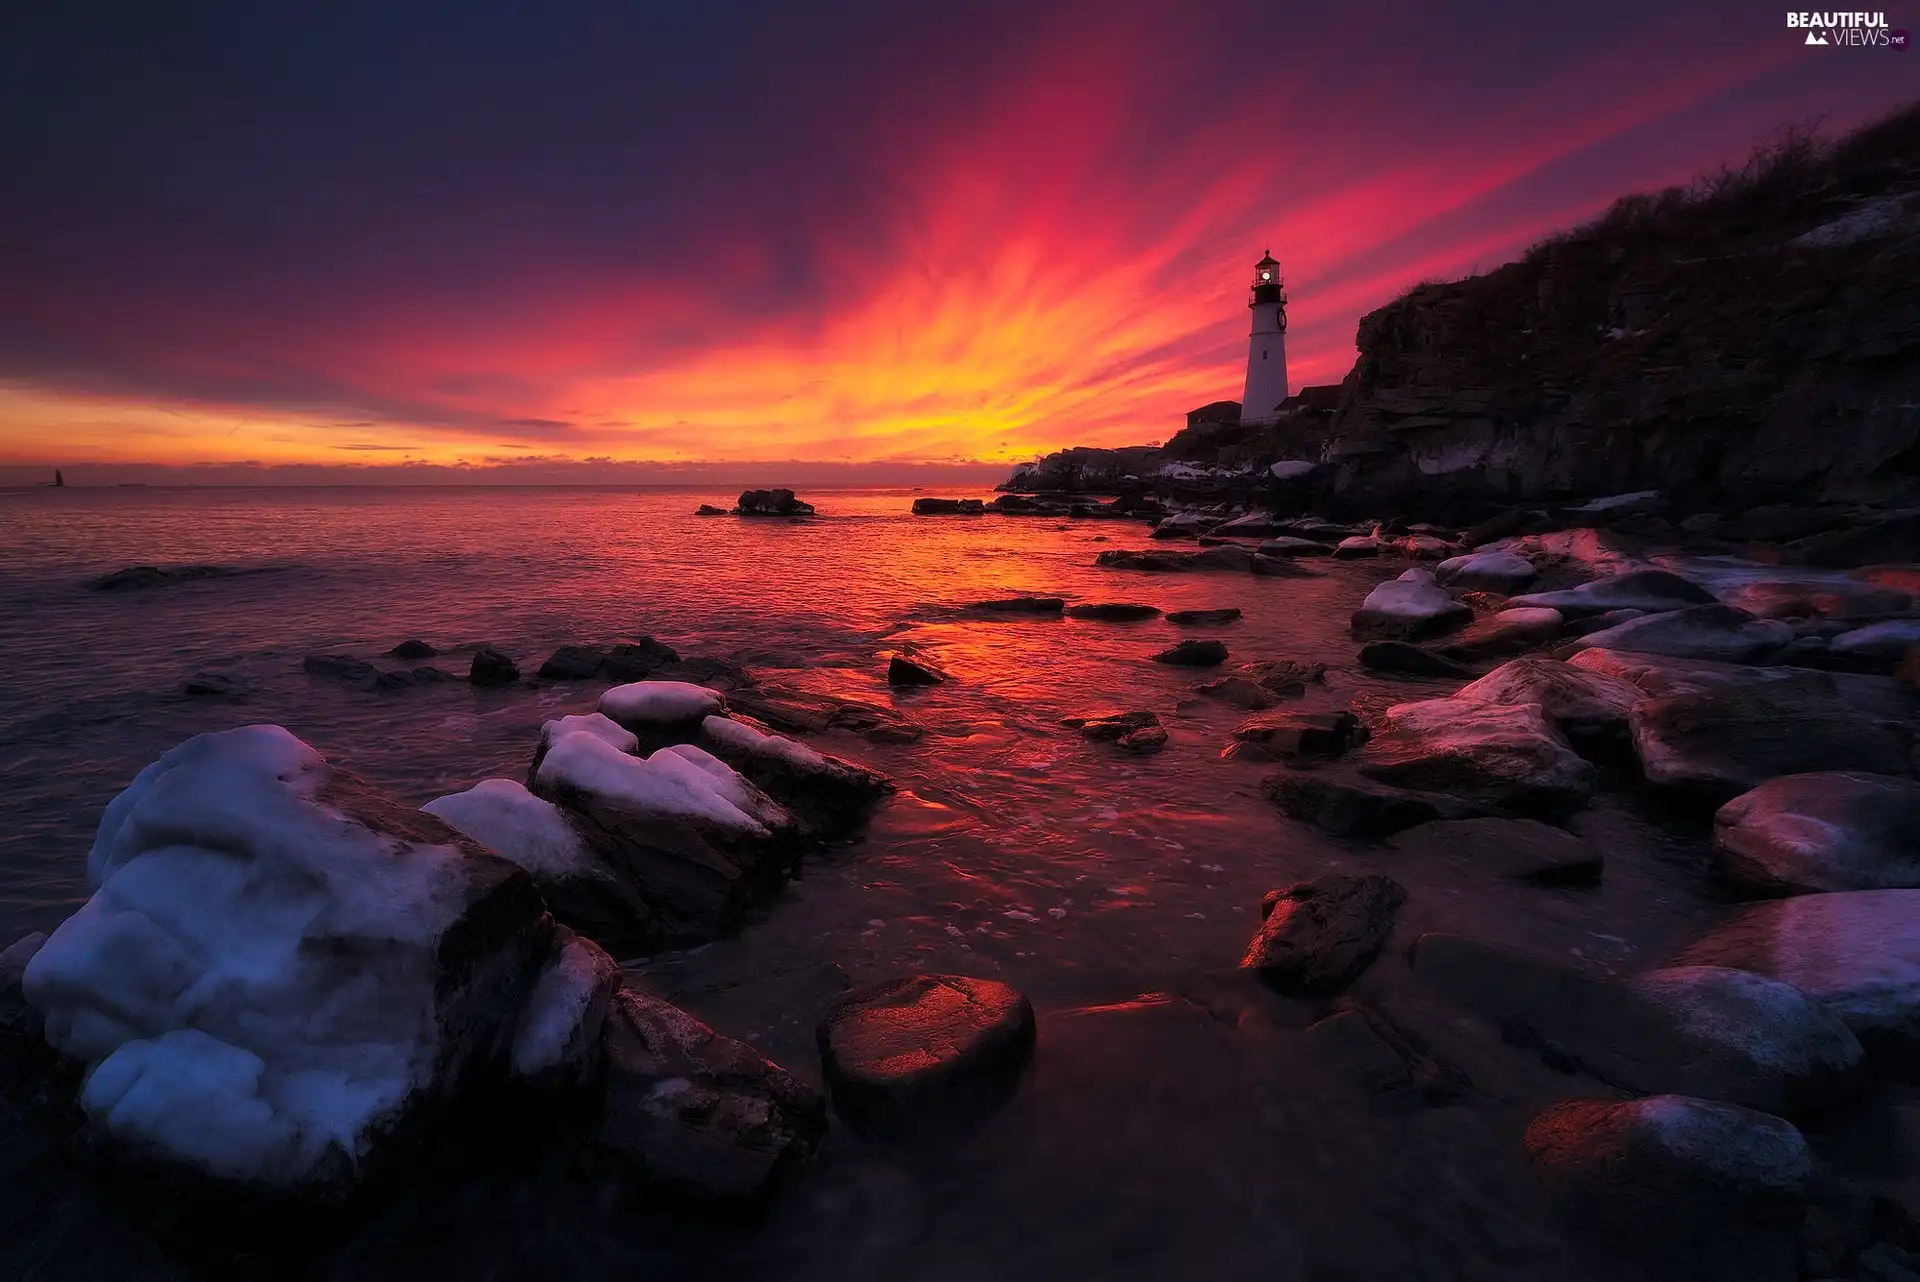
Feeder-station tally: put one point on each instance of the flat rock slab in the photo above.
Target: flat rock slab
(1038, 607)
(1826, 831)
(1239, 692)
(1319, 935)
(1521, 849)
(1497, 756)
(1403, 658)
(1193, 654)
(697, 1112)
(1660, 675)
(1112, 611)
(1204, 618)
(1288, 545)
(1589, 708)
(1376, 1054)
(1349, 804)
(1134, 731)
(1409, 608)
(1717, 632)
(1486, 572)
(1649, 590)
(1719, 743)
(1693, 1188)
(924, 1051)
(1710, 1031)
(1858, 951)
(1505, 633)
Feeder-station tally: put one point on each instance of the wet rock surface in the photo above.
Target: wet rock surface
(1203, 618)
(1294, 735)
(1113, 612)
(1503, 756)
(926, 1052)
(1411, 660)
(1194, 654)
(1523, 849)
(1839, 830)
(1319, 935)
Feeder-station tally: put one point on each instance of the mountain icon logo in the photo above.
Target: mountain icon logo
(1815, 38)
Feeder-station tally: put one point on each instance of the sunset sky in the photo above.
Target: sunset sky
(350, 236)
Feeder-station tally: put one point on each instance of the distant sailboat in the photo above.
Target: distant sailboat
(59, 481)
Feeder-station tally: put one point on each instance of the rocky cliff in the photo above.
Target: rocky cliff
(1753, 336)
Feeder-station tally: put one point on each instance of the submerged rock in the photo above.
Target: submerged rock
(1649, 590)
(492, 668)
(1409, 608)
(1193, 654)
(924, 1052)
(698, 1113)
(1046, 607)
(343, 667)
(135, 577)
(1697, 1189)
(796, 711)
(1520, 849)
(1240, 692)
(1134, 731)
(1718, 743)
(1377, 1054)
(1836, 830)
(1715, 632)
(1504, 756)
(1319, 935)
(1113, 612)
(215, 685)
(1709, 1031)
(1406, 659)
(282, 972)
(1589, 708)
(413, 649)
(1349, 804)
(1857, 951)
(1486, 572)
(1204, 618)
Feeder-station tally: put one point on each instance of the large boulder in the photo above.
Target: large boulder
(282, 973)
(1112, 611)
(1649, 590)
(696, 1113)
(1292, 735)
(1716, 632)
(1486, 572)
(1507, 632)
(1689, 1187)
(1506, 756)
(1319, 935)
(1521, 849)
(661, 711)
(1826, 831)
(1719, 743)
(1193, 653)
(491, 667)
(581, 888)
(695, 838)
(1589, 708)
(926, 1052)
(1857, 951)
(1409, 608)
(832, 794)
(1710, 1031)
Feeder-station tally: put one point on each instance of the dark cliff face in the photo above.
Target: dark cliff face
(1755, 336)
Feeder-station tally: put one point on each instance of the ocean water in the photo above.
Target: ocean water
(1173, 1120)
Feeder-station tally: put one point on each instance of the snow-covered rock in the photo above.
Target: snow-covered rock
(1486, 572)
(581, 888)
(1409, 608)
(691, 835)
(1501, 755)
(281, 968)
(1649, 590)
(697, 1112)
(1857, 951)
(1717, 632)
(1290, 469)
(556, 1045)
(1589, 708)
(1841, 830)
(831, 793)
(650, 706)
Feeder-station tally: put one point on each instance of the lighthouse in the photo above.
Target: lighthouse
(1267, 348)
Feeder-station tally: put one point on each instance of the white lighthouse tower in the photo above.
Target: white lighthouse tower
(1267, 348)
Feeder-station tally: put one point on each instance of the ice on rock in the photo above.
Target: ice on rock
(504, 817)
(562, 1020)
(726, 732)
(262, 982)
(653, 703)
(680, 781)
(593, 723)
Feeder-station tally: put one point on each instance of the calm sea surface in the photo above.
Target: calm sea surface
(1146, 1143)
